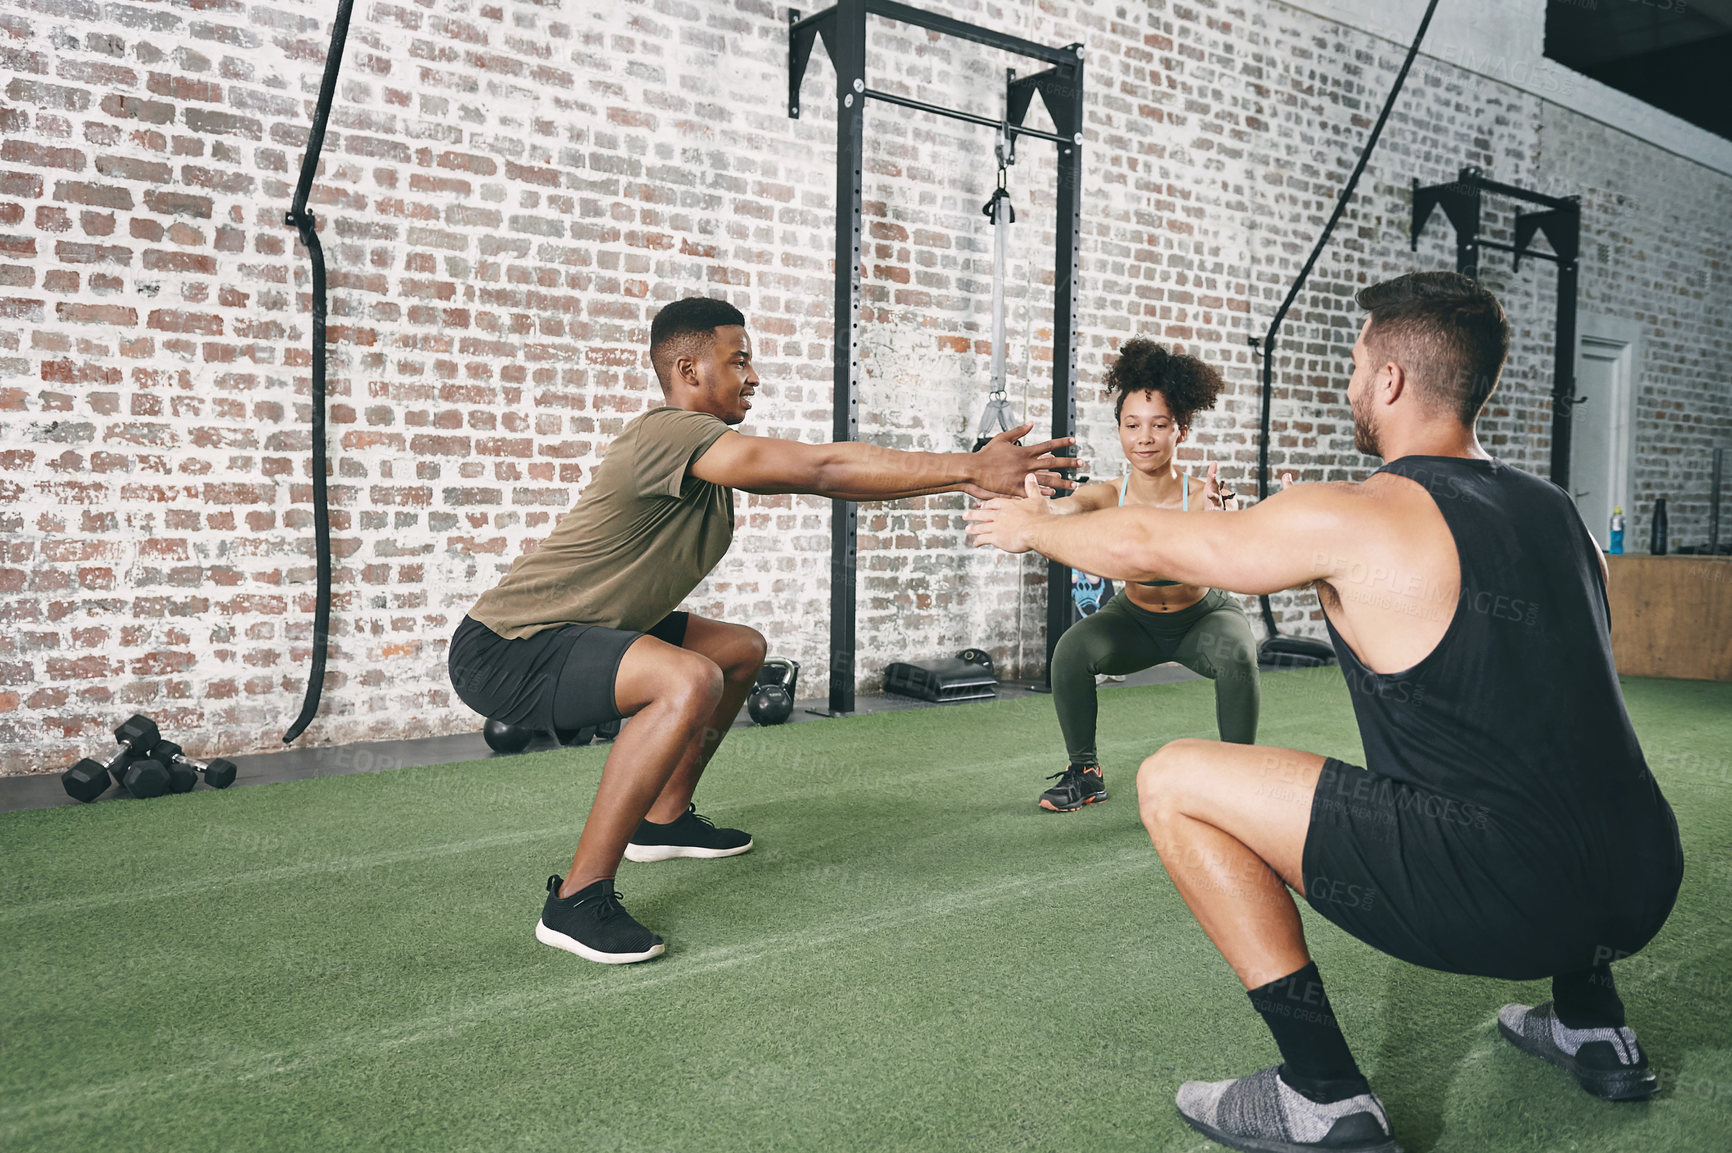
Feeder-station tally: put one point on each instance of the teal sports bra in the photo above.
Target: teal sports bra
(1185, 506)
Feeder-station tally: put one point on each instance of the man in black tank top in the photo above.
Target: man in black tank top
(1505, 823)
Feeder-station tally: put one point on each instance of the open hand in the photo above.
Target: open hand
(1212, 487)
(1215, 494)
(1003, 465)
(1008, 522)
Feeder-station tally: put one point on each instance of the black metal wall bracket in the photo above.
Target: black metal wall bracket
(1052, 85)
(1562, 228)
(801, 33)
(1459, 201)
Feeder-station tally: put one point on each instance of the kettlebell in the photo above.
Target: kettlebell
(772, 700)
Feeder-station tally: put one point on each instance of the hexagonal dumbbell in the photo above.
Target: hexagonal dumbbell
(184, 772)
(131, 766)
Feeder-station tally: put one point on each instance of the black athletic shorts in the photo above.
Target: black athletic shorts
(559, 678)
(1447, 884)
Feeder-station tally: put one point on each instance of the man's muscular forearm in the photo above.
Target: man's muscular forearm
(1290, 539)
(1121, 543)
(854, 471)
(849, 470)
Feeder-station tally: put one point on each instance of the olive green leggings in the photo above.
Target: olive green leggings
(1212, 638)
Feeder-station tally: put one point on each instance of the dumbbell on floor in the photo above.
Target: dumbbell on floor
(131, 766)
(506, 738)
(184, 772)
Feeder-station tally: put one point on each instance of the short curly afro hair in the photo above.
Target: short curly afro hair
(1189, 385)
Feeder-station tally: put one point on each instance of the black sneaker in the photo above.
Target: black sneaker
(1077, 786)
(1606, 1062)
(1263, 1114)
(690, 836)
(591, 924)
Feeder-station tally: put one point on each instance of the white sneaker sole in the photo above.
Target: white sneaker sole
(643, 853)
(572, 945)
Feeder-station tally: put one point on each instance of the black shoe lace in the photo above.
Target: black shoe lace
(1069, 773)
(609, 903)
(693, 814)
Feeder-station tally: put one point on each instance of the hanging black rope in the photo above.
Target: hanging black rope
(301, 220)
(1268, 345)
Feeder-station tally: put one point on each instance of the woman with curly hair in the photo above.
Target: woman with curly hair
(1157, 392)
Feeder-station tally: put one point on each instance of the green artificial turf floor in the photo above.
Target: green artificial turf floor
(913, 957)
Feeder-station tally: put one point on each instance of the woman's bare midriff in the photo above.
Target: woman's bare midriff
(1165, 598)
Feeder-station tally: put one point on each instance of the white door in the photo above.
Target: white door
(1599, 428)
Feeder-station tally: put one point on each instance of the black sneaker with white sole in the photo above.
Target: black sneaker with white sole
(690, 836)
(592, 924)
(1606, 1062)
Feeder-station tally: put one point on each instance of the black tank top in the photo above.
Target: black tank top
(1518, 708)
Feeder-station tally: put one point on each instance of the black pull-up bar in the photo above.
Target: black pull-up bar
(970, 117)
(1519, 251)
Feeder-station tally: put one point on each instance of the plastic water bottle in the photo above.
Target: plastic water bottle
(1657, 539)
(1616, 544)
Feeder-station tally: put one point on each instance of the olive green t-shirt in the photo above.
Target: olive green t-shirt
(639, 539)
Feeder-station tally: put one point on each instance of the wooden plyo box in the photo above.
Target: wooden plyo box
(1672, 616)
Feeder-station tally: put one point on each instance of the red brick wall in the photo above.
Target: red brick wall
(508, 193)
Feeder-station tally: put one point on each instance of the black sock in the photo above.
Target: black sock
(1588, 999)
(1314, 1056)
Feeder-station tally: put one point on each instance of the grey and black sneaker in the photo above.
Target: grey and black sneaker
(690, 836)
(1606, 1062)
(1263, 1114)
(1077, 786)
(592, 924)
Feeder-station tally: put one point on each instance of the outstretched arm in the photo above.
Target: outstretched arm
(850, 470)
(1290, 539)
(1088, 498)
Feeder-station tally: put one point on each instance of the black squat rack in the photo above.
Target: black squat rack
(1559, 220)
(843, 31)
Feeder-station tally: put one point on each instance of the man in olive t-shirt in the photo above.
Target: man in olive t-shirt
(586, 630)
(643, 536)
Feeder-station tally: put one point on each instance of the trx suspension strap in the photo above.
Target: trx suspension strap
(997, 417)
(301, 220)
(1268, 342)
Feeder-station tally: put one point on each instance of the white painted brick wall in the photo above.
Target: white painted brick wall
(511, 189)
